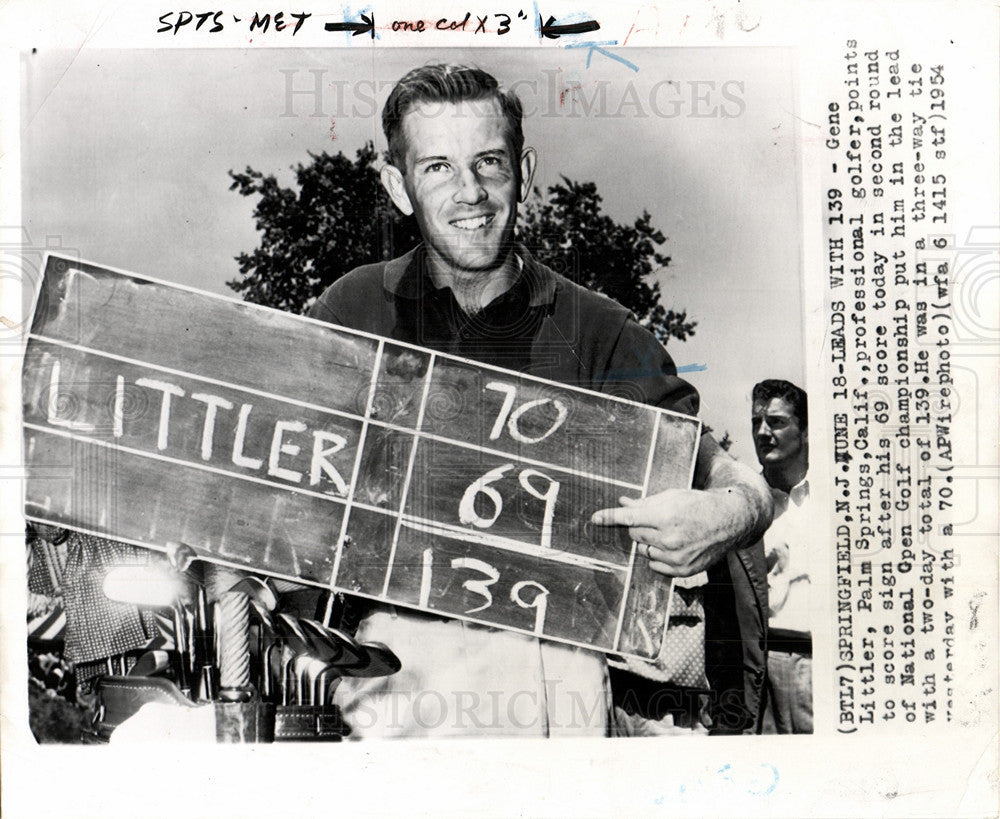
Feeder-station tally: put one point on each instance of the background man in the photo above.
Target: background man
(780, 425)
(458, 164)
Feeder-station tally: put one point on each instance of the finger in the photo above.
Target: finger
(657, 555)
(618, 516)
(615, 516)
(654, 554)
(665, 569)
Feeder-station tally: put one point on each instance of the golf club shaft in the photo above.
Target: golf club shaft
(180, 640)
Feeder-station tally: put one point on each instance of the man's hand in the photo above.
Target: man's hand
(681, 531)
(684, 531)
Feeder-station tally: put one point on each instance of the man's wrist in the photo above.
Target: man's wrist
(748, 507)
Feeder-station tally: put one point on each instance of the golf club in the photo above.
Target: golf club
(300, 668)
(313, 670)
(382, 662)
(298, 644)
(349, 654)
(325, 684)
(182, 557)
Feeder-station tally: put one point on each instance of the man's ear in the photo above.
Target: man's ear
(394, 184)
(528, 159)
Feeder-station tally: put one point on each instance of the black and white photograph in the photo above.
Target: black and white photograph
(497, 208)
(461, 396)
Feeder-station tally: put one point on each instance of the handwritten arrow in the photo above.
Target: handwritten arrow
(553, 32)
(358, 28)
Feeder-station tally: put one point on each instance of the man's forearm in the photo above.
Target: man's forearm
(744, 492)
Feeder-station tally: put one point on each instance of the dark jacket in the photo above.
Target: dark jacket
(736, 639)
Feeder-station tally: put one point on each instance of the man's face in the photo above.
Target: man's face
(776, 434)
(461, 182)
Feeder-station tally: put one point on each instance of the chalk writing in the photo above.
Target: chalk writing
(340, 459)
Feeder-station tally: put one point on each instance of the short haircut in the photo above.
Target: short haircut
(448, 83)
(786, 390)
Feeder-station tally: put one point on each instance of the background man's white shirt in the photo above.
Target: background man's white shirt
(787, 549)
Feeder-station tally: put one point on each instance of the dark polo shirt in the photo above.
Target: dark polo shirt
(544, 325)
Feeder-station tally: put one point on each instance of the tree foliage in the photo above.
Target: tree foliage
(338, 217)
(567, 230)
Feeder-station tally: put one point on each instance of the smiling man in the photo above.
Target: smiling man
(458, 164)
(780, 427)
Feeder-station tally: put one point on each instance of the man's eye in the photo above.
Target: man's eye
(436, 167)
(491, 165)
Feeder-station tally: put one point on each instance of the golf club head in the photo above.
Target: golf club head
(327, 647)
(264, 616)
(181, 556)
(291, 630)
(354, 654)
(261, 594)
(350, 655)
(382, 662)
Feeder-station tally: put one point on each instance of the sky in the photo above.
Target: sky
(126, 153)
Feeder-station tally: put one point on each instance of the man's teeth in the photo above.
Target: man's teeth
(472, 224)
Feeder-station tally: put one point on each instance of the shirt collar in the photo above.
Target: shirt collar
(407, 276)
(797, 495)
(800, 492)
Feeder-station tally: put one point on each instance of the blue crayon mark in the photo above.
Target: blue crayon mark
(350, 16)
(775, 778)
(648, 364)
(756, 780)
(634, 376)
(639, 372)
(592, 47)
